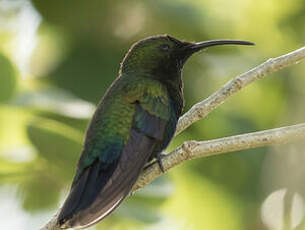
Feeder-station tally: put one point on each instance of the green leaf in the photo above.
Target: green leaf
(59, 144)
(41, 192)
(8, 79)
(55, 101)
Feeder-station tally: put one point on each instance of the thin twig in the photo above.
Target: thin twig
(203, 108)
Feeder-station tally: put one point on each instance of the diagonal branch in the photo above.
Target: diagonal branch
(203, 108)
(193, 149)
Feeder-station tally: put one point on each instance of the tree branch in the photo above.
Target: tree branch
(203, 108)
(197, 149)
(193, 149)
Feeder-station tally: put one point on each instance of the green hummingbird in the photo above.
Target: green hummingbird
(133, 124)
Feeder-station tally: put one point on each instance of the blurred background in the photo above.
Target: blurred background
(57, 58)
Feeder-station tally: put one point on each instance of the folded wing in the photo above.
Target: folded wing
(102, 186)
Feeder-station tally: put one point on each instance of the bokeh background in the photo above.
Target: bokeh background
(57, 58)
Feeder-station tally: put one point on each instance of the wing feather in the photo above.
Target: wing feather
(102, 187)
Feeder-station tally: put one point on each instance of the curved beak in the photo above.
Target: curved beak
(194, 47)
(189, 48)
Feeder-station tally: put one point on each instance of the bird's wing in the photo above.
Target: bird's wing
(102, 185)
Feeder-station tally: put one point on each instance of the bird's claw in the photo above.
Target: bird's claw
(158, 158)
(159, 161)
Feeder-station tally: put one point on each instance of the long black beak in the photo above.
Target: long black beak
(194, 47)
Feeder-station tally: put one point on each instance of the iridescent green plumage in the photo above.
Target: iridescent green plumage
(111, 123)
(134, 122)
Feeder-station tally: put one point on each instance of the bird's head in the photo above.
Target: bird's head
(163, 55)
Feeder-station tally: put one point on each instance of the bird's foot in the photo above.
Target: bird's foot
(159, 161)
(158, 158)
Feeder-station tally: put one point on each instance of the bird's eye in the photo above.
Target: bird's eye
(164, 47)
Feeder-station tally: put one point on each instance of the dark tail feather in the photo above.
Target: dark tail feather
(98, 191)
(86, 189)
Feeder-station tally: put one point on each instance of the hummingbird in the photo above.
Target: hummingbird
(134, 122)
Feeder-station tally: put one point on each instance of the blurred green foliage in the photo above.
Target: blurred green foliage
(44, 112)
(8, 79)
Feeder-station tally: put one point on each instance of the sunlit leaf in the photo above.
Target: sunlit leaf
(59, 144)
(56, 101)
(8, 79)
(12, 127)
(12, 172)
(41, 192)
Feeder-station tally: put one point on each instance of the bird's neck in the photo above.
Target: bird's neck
(174, 84)
(175, 91)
